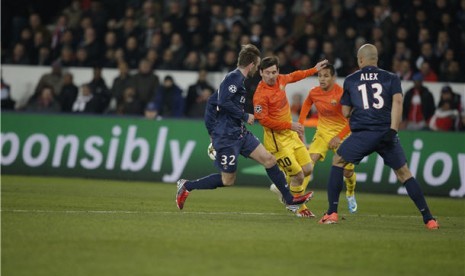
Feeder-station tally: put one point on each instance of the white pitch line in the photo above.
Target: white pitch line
(139, 212)
(187, 212)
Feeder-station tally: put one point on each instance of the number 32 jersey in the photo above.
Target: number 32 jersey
(369, 92)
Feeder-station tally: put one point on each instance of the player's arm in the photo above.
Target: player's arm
(345, 100)
(227, 104)
(306, 106)
(210, 114)
(302, 74)
(346, 110)
(396, 111)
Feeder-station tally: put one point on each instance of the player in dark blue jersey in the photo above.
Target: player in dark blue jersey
(372, 99)
(225, 120)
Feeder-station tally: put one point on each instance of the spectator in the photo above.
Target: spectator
(53, 79)
(66, 58)
(121, 82)
(453, 73)
(44, 57)
(45, 101)
(91, 44)
(100, 91)
(445, 118)
(129, 104)
(447, 95)
(192, 62)
(131, 52)
(229, 61)
(73, 13)
(405, 72)
(150, 111)
(18, 56)
(145, 82)
(428, 73)
(68, 93)
(168, 60)
(85, 101)
(418, 106)
(168, 99)
(197, 96)
(178, 49)
(82, 58)
(212, 63)
(153, 57)
(7, 102)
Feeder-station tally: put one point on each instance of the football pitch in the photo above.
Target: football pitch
(72, 226)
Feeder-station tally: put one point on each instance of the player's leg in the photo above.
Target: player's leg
(261, 155)
(306, 165)
(226, 160)
(394, 157)
(288, 162)
(350, 182)
(353, 149)
(317, 151)
(334, 188)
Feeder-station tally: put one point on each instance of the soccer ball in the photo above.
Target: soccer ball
(211, 152)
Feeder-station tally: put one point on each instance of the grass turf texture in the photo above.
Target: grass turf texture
(68, 226)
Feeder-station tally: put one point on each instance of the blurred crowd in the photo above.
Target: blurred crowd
(418, 40)
(412, 36)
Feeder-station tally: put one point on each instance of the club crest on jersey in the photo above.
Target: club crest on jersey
(232, 88)
(258, 109)
(333, 102)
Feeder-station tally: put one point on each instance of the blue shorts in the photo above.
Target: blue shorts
(227, 151)
(362, 143)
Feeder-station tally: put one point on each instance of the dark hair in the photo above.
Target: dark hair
(249, 54)
(268, 62)
(329, 66)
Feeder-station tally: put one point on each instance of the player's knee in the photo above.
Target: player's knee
(338, 161)
(297, 179)
(348, 173)
(403, 174)
(269, 161)
(228, 180)
(307, 169)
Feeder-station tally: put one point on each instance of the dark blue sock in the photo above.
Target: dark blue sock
(211, 181)
(335, 183)
(415, 193)
(278, 178)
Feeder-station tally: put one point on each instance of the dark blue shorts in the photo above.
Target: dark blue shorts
(227, 151)
(362, 143)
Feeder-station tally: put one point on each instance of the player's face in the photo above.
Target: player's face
(325, 79)
(269, 75)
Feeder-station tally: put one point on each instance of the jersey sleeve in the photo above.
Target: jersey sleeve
(227, 91)
(306, 106)
(210, 114)
(345, 98)
(299, 75)
(395, 85)
(344, 132)
(261, 113)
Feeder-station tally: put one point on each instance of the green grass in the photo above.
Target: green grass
(68, 226)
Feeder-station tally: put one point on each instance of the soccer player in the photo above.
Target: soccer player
(281, 137)
(332, 126)
(372, 99)
(225, 120)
